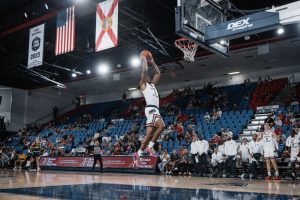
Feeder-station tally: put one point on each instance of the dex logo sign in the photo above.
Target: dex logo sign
(239, 25)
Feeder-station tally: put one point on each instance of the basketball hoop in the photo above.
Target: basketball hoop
(189, 48)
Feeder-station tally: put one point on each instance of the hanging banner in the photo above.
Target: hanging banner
(36, 46)
(106, 25)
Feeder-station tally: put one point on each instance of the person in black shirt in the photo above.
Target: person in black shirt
(174, 159)
(97, 156)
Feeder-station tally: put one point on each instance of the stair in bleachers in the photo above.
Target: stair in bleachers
(253, 125)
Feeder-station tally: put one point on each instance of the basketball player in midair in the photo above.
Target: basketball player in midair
(154, 123)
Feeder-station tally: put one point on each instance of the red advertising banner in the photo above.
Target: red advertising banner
(113, 162)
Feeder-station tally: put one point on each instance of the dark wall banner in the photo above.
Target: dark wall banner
(147, 164)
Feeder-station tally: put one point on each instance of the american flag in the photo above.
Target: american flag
(65, 31)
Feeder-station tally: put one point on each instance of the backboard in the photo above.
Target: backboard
(192, 18)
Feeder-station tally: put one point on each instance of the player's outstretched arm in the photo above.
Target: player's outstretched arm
(143, 78)
(156, 76)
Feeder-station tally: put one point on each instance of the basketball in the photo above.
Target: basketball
(147, 54)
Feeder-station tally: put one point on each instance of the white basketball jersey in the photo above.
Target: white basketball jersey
(293, 143)
(151, 95)
(267, 139)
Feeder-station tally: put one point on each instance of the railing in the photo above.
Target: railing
(49, 117)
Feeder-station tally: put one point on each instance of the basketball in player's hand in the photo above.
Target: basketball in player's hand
(147, 55)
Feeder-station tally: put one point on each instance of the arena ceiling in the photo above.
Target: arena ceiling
(135, 16)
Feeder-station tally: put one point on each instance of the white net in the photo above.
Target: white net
(188, 48)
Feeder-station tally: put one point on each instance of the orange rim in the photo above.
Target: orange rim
(178, 43)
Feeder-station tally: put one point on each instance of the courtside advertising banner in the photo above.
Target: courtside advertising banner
(106, 25)
(115, 162)
(36, 46)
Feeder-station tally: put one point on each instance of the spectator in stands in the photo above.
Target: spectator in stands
(214, 116)
(97, 156)
(183, 164)
(195, 154)
(221, 133)
(278, 121)
(20, 161)
(179, 129)
(219, 112)
(256, 157)
(231, 153)
(292, 146)
(244, 151)
(293, 121)
(181, 117)
(217, 163)
(164, 157)
(207, 117)
(174, 159)
(203, 150)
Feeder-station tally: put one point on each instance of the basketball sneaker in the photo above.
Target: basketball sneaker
(276, 178)
(136, 159)
(268, 178)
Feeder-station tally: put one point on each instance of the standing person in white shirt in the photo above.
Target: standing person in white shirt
(256, 158)
(203, 149)
(244, 151)
(292, 145)
(217, 162)
(195, 155)
(269, 149)
(231, 148)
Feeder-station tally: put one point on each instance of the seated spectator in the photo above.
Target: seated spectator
(181, 117)
(207, 117)
(174, 159)
(280, 116)
(214, 115)
(278, 121)
(221, 133)
(20, 161)
(219, 112)
(179, 129)
(164, 157)
(183, 164)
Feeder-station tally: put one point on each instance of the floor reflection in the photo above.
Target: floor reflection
(124, 192)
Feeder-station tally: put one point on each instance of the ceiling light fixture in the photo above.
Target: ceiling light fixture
(103, 69)
(280, 31)
(233, 73)
(135, 61)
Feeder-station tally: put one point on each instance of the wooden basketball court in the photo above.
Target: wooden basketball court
(73, 185)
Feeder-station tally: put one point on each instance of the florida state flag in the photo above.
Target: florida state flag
(106, 25)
